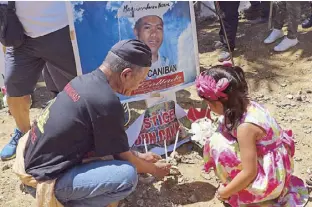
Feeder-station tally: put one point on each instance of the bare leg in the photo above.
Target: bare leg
(19, 108)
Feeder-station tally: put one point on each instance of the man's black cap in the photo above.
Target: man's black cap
(133, 51)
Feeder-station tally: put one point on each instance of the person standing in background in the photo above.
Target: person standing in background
(258, 12)
(229, 15)
(47, 39)
(308, 22)
(286, 11)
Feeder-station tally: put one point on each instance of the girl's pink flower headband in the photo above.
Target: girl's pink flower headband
(208, 88)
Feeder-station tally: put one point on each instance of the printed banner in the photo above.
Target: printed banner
(168, 28)
(158, 124)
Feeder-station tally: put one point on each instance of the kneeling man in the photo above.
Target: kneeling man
(64, 155)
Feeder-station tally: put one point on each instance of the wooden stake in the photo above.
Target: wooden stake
(175, 143)
(270, 15)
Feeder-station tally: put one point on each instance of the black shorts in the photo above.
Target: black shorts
(23, 65)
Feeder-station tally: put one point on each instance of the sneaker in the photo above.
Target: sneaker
(218, 45)
(127, 114)
(275, 35)
(224, 55)
(285, 44)
(307, 23)
(9, 150)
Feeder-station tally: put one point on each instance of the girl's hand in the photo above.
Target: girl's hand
(221, 195)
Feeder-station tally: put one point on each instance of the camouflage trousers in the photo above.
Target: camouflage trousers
(287, 12)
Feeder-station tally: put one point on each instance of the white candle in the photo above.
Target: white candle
(166, 150)
(175, 143)
(145, 145)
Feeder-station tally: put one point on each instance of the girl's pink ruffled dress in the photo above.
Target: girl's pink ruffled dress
(274, 185)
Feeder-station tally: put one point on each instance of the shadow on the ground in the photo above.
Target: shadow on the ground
(173, 193)
(263, 61)
(202, 191)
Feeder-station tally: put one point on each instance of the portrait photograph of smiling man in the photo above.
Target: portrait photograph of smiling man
(150, 30)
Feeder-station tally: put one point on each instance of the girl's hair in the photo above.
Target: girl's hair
(235, 105)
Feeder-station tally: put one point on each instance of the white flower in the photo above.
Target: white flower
(202, 130)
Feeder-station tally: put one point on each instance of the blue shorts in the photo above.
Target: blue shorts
(23, 65)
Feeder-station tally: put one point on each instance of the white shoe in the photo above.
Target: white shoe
(285, 44)
(224, 56)
(218, 45)
(275, 35)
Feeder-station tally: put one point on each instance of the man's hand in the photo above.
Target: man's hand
(150, 157)
(161, 169)
(157, 169)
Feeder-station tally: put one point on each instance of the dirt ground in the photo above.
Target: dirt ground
(280, 81)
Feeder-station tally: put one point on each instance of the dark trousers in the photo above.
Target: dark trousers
(255, 3)
(263, 6)
(55, 78)
(287, 12)
(229, 15)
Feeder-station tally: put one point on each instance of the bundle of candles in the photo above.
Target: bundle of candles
(174, 169)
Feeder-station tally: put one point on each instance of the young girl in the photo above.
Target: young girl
(250, 153)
